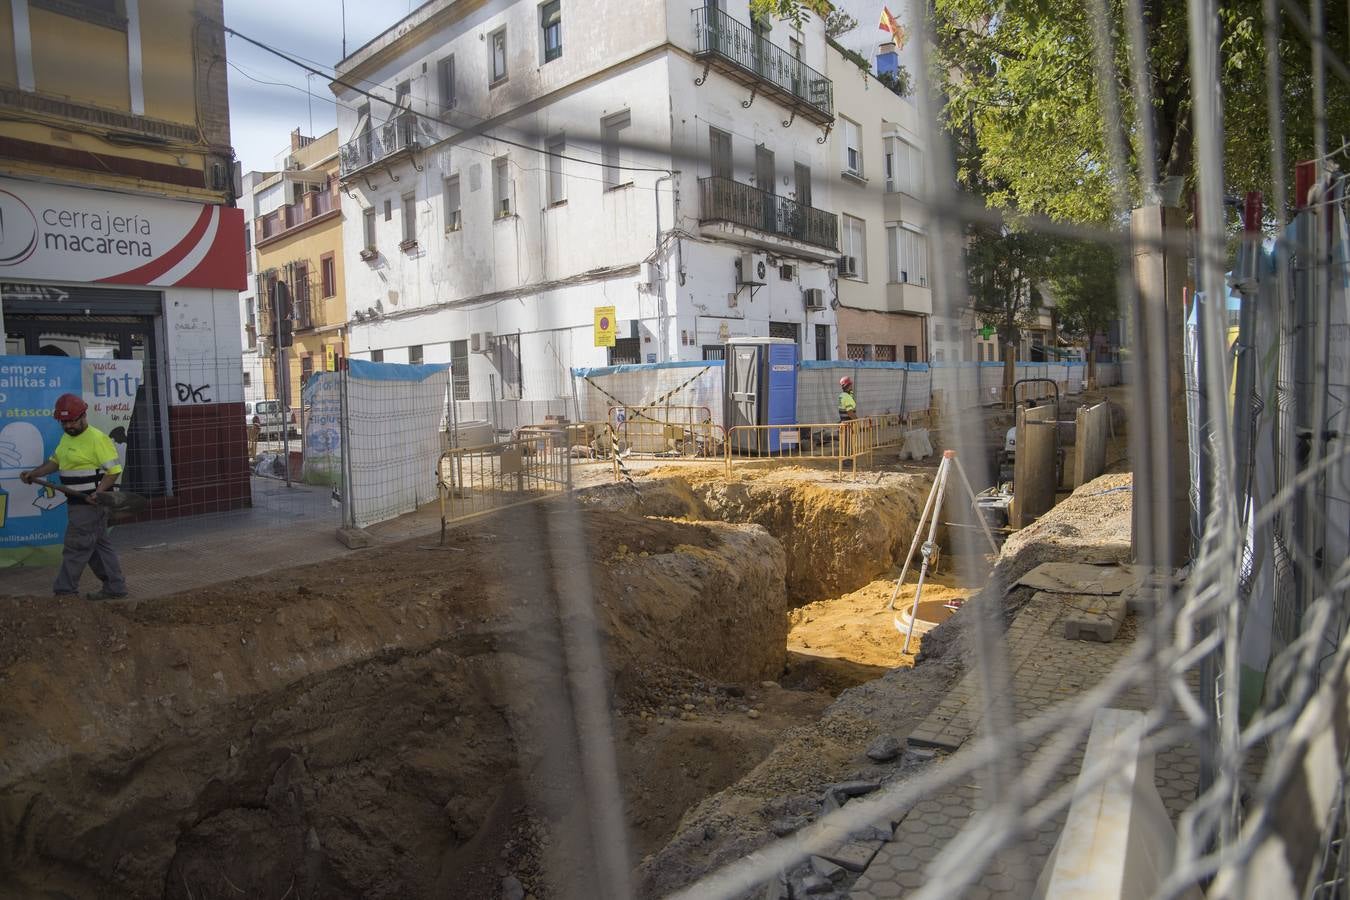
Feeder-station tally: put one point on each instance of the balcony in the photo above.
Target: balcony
(904, 297)
(725, 200)
(309, 207)
(384, 144)
(761, 65)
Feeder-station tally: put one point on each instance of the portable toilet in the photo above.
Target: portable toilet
(760, 384)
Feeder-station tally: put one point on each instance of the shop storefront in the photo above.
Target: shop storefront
(100, 274)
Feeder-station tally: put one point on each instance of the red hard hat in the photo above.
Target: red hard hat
(846, 382)
(69, 407)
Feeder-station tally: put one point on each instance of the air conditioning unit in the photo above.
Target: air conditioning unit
(815, 298)
(481, 343)
(848, 266)
(745, 269)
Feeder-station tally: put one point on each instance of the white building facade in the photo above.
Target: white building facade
(885, 297)
(253, 381)
(541, 162)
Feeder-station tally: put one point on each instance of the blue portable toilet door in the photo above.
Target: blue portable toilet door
(781, 408)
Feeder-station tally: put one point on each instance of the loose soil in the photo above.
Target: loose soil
(409, 722)
(394, 724)
(402, 722)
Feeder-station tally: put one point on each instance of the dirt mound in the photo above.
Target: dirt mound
(838, 534)
(398, 723)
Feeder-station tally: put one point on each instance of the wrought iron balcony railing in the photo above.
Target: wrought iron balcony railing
(376, 144)
(734, 48)
(725, 200)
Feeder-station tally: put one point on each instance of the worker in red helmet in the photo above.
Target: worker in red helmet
(87, 461)
(848, 407)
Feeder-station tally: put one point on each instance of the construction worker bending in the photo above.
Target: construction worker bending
(87, 461)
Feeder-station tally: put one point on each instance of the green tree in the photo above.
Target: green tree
(1084, 278)
(1019, 78)
(1005, 265)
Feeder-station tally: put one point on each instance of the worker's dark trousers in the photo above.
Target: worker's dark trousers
(87, 543)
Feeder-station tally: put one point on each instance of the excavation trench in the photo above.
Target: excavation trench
(403, 722)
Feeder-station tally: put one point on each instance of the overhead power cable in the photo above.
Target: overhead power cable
(463, 132)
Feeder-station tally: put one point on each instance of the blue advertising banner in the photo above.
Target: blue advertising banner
(32, 518)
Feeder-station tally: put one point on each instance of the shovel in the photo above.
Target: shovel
(119, 503)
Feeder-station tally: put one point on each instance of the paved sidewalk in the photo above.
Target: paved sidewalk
(287, 526)
(1046, 669)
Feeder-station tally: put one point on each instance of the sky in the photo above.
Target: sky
(262, 115)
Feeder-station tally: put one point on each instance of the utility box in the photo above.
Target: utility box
(760, 383)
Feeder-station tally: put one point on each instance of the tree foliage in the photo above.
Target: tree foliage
(1023, 99)
(1083, 276)
(839, 23)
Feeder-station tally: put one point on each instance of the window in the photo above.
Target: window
(611, 131)
(377, 356)
(550, 24)
(415, 355)
(248, 379)
(939, 356)
(822, 342)
(409, 219)
(859, 352)
(445, 76)
(300, 296)
(306, 367)
(370, 230)
(802, 175)
(626, 351)
(403, 94)
(911, 353)
(853, 243)
(509, 365)
(719, 145)
(497, 56)
(908, 251)
(938, 331)
(908, 167)
(501, 188)
(764, 169)
(453, 222)
(789, 330)
(714, 351)
(853, 155)
(884, 353)
(890, 164)
(388, 210)
(248, 248)
(459, 369)
(328, 274)
(557, 190)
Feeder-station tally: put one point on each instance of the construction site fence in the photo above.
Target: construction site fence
(471, 481)
(838, 443)
(880, 388)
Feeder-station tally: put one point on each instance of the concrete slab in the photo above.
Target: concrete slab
(853, 855)
(1092, 618)
(1078, 578)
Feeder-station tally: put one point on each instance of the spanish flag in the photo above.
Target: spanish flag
(889, 23)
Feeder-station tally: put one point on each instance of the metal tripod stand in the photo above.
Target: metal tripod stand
(931, 512)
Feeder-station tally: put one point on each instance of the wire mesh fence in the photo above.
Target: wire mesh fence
(1236, 661)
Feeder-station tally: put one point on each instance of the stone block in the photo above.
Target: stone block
(853, 855)
(354, 538)
(1092, 618)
